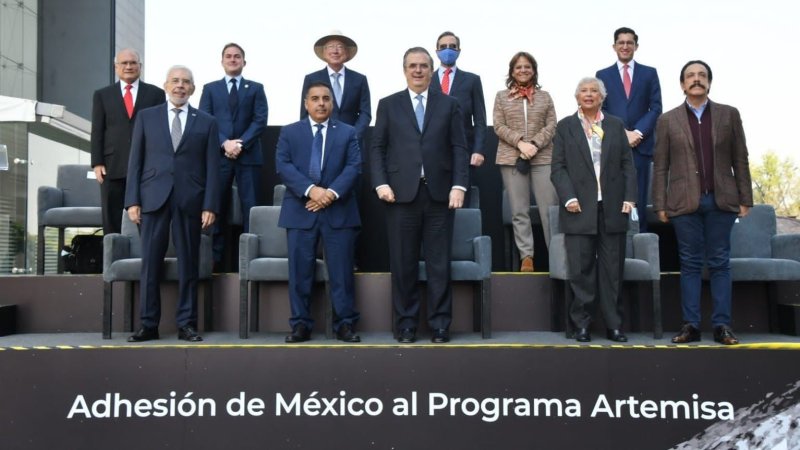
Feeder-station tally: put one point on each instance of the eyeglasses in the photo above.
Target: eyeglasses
(446, 46)
(128, 63)
(334, 47)
(624, 43)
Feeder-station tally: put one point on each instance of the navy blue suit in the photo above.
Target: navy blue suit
(336, 224)
(420, 213)
(639, 112)
(355, 109)
(468, 90)
(246, 123)
(173, 188)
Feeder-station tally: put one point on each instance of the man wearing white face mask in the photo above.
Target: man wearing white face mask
(467, 89)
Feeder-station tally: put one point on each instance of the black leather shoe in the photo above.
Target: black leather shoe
(300, 333)
(346, 333)
(144, 334)
(440, 336)
(687, 334)
(724, 335)
(407, 336)
(582, 335)
(616, 335)
(188, 333)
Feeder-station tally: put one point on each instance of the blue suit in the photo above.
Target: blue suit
(246, 123)
(639, 112)
(337, 224)
(355, 109)
(173, 188)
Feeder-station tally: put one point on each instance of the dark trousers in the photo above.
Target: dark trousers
(642, 164)
(704, 236)
(430, 222)
(339, 247)
(112, 198)
(155, 234)
(248, 184)
(595, 263)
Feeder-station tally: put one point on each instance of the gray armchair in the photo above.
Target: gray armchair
(759, 254)
(641, 265)
(471, 260)
(74, 202)
(264, 257)
(122, 261)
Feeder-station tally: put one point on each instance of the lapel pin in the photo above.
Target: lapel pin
(246, 86)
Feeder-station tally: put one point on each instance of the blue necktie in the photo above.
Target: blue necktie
(315, 165)
(337, 88)
(233, 97)
(420, 112)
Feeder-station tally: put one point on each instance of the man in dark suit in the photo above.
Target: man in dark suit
(419, 166)
(634, 95)
(240, 109)
(173, 184)
(466, 87)
(594, 177)
(114, 110)
(318, 160)
(351, 103)
(701, 183)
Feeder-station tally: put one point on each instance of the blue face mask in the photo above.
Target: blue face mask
(448, 56)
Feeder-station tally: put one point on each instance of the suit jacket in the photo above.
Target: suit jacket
(190, 173)
(112, 129)
(400, 151)
(509, 125)
(356, 107)
(466, 87)
(676, 180)
(246, 123)
(641, 110)
(340, 169)
(573, 176)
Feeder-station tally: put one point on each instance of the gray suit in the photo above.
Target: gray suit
(595, 237)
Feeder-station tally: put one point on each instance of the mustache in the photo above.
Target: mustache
(697, 83)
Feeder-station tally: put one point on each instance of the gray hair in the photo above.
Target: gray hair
(138, 57)
(592, 80)
(179, 67)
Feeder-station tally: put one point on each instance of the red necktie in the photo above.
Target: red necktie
(626, 81)
(128, 99)
(446, 81)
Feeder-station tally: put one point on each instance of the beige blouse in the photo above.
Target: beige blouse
(509, 125)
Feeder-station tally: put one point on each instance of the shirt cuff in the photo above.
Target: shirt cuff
(639, 133)
(381, 186)
(308, 190)
(460, 188)
(574, 199)
(336, 194)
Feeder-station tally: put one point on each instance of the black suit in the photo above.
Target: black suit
(420, 214)
(466, 87)
(595, 237)
(111, 144)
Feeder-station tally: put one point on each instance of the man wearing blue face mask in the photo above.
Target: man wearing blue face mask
(467, 89)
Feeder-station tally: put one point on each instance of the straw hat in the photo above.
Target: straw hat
(352, 48)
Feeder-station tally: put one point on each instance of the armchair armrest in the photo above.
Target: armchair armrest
(558, 257)
(48, 197)
(786, 246)
(115, 247)
(482, 248)
(645, 248)
(248, 251)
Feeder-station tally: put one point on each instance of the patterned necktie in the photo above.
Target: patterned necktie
(315, 164)
(128, 99)
(626, 81)
(177, 132)
(233, 97)
(337, 88)
(446, 81)
(419, 111)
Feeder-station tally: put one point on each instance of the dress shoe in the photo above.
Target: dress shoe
(687, 334)
(440, 336)
(346, 333)
(616, 335)
(407, 336)
(582, 335)
(300, 333)
(724, 335)
(144, 334)
(526, 265)
(188, 333)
